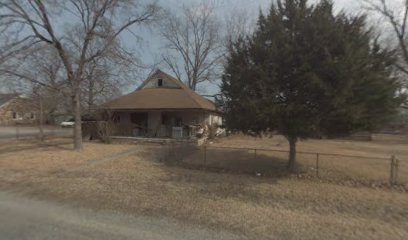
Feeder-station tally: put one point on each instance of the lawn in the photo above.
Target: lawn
(257, 207)
(381, 146)
(351, 162)
(29, 158)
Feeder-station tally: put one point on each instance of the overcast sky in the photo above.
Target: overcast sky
(149, 49)
(152, 44)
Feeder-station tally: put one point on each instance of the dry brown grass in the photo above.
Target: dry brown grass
(24, 159)
(357, 162)
(381, 146)
(261, 208)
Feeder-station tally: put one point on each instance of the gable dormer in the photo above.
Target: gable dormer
(160, 81)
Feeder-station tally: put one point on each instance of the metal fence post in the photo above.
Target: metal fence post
(17, 132)
(396, 163)
(172, 151)
(205, 156)
(317, 164)
(392, 170)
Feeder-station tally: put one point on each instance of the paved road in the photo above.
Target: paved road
(22, 218)
(26, 132)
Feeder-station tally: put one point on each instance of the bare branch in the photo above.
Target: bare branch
(86, 46)
(399, 25)
(195, 38)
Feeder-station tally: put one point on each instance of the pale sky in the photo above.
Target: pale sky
(149, 49)
(151, 45)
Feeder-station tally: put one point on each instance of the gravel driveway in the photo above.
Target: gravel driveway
(22, 218)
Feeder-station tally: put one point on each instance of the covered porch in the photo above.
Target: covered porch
(162, 124)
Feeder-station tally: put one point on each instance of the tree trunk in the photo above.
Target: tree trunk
(78, 123)
(194, 85)
(292, 154)
(90, 96)
(41, 120)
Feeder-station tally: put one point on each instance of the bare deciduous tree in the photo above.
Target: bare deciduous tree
(47, 91)
(104, 79)
(194, 44)
(38, 100)
(396, 15)
(237, 24)
(91, 29)
(48, 99)
(397, 18)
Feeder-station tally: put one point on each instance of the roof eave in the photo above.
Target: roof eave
(158, 109)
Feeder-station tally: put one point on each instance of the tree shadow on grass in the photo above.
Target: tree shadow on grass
(232, 174)
(261, 166)
(239, 161)
(264, 166)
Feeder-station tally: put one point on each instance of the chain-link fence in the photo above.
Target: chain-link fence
(268, 162)
(27, 132)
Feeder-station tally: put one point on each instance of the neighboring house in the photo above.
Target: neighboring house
(15, 109)
(163, 107)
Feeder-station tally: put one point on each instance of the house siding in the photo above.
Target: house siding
(6, 116)
(154, 83)
(22, 110)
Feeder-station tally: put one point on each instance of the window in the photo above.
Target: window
(15, 115)
(32, 116)
(160, 82)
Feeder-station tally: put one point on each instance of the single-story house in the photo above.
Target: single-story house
(16, 109)
(163, 107)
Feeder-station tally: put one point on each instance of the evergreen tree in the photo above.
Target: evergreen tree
(307, 72)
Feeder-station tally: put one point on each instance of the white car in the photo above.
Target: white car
(69, 123)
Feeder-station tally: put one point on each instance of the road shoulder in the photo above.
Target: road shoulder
(27, 218)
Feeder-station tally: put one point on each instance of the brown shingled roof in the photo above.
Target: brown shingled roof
(161, 98)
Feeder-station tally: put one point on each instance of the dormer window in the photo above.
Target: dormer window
(160, 82)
